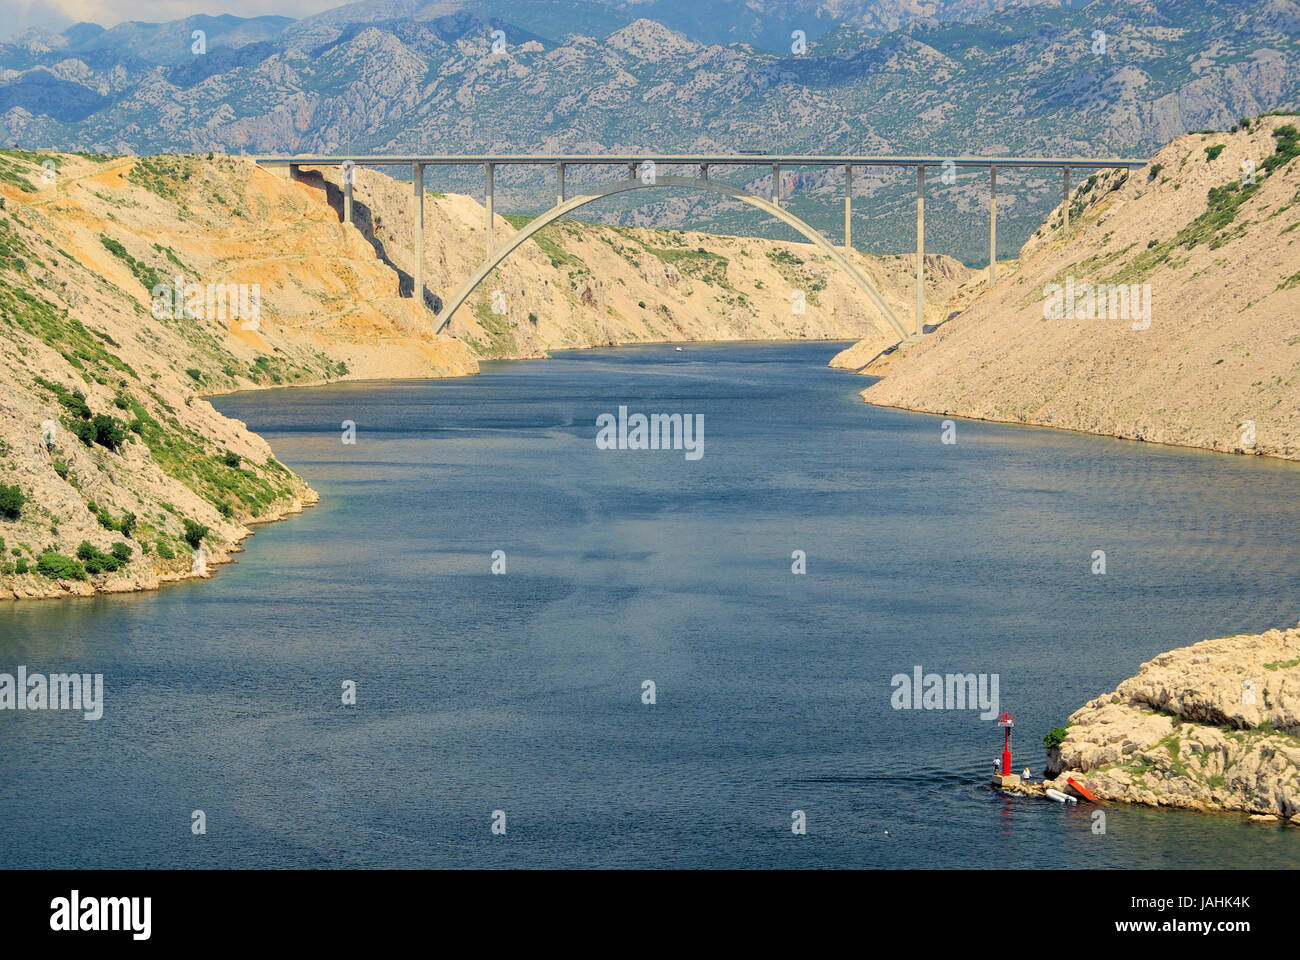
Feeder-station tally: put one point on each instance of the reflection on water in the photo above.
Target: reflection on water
(522, 692)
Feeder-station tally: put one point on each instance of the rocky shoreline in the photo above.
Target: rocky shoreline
(135, 579)
(1214, 726)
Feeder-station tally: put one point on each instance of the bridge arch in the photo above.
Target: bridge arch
(635, 183)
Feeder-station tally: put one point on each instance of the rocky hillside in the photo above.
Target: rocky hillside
(1195, 339)
(113, 468)
(759, 22)
(950, 288)
(1212, 726)
(581, 285)
(762, 23)
(132, 287)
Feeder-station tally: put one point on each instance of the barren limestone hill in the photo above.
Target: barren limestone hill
(329, 307)
(949, 287)
(1219, 254)
(1211, 726)
(111, 463)
(578, 285)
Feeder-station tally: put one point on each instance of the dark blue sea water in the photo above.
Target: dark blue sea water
(523, 692)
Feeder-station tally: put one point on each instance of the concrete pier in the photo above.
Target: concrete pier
(993, 225)
(1066, 171)
(418, 273)
(280, 168)
(920, 250)
(489, 194)
(347, 195)
(848, 207)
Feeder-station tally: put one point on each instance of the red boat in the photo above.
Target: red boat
(1083, 791)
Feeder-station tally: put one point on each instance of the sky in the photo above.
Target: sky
(59, 14)
(21, 14)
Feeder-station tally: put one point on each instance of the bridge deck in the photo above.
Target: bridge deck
(728, 159)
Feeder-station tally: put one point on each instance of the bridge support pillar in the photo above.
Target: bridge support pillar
(848, 207)
(993, 225)
(347, 193)
(489, 192)
(559, 180)
(920, 250)
(1066, 179)
(776, 184)
(280, 168)
(418, 273)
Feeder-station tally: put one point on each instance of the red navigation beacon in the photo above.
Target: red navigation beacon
(1006, 721)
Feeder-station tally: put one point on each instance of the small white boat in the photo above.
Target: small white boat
(1060, 797)
(678, 349)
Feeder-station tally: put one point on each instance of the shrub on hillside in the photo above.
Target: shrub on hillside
(123, 526)
(75, 403)
(194, 533)
(1055, 737)
(83, 430)
(58, 567)
(96, 560)
(11, 501)
(109, 433)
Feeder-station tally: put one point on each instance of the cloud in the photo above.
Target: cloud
(59, 14)
(23, 14)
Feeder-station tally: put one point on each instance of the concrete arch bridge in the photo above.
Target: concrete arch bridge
(644, 173)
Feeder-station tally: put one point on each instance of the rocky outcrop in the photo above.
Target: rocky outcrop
(858, 356)
(1211, 726)
(1193, 340)
(949, 287)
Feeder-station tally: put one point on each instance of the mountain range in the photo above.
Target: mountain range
(1113, 77)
